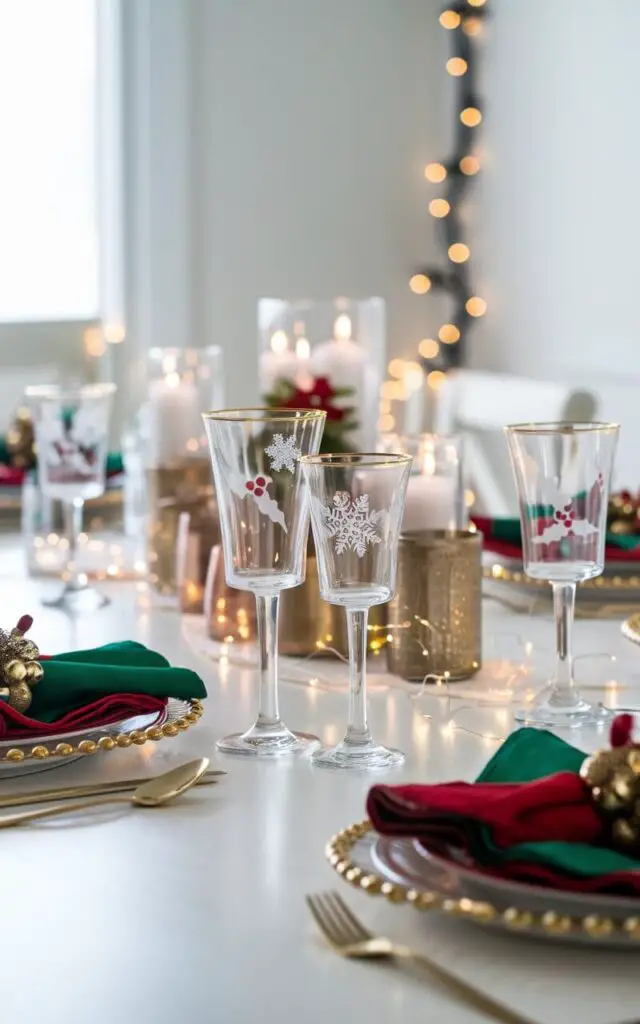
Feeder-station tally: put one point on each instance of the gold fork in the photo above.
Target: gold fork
(348, 937)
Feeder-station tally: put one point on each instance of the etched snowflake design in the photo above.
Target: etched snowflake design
(283, 453)
(351, 523)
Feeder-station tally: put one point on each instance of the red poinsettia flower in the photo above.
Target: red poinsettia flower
(317, 397)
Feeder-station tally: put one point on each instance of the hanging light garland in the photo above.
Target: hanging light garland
(464, 23)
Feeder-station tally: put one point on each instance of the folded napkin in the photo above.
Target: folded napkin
(528, 816)
(503, 537)
(82, 689)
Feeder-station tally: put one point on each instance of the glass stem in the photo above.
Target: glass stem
(564, 596)
(357, 728)
(73, 527)
(267, 622)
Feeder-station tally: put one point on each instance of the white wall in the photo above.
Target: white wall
(312, 123)
(558, 214)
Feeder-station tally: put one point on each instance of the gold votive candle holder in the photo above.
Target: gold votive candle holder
(230, 614)
(181, 487)
(198, 532)
(435, 618)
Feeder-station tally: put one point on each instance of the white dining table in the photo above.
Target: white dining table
(195, 912)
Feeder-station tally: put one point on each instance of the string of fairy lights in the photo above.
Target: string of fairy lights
(464, 22)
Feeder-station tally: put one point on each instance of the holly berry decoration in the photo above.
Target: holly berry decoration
(319, 394)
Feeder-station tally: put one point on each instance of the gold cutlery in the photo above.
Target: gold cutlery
(348, 937)
(41, 796)
(152, 793)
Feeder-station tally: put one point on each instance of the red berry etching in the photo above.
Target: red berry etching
(258, 491)
(249, 485)
(260, 480)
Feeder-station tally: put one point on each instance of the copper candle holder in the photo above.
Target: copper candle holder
(435, 617)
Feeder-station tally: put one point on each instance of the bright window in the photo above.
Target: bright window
(48, 196)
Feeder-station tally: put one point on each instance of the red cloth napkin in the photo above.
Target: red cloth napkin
(112, 708)
(553, 808)
(544, 832)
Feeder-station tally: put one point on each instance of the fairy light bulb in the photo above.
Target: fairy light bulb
(439, 208)
(435, 172)
(428, 348)
(386, 422)
(472, 27)
(476, 3)
(392, 390)
(436, 379)
(475, 306)
(449, 19)
(397, 368)
(413, 376)
(420, 284)
(456, 66)
(449, 334)
(93, 342)
(470, 117)
(459, 252)
(469, 165)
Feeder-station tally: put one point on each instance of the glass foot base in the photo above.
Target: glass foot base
(255, 743)
(545, 712)
(77, 602)
(364, 756)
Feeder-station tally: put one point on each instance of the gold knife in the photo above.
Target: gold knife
(41, 796)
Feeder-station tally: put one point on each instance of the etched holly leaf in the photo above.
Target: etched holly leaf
(269, 507)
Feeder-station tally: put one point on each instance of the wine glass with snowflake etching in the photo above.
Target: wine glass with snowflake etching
(356, 504)
(264, 519)
(562, 473)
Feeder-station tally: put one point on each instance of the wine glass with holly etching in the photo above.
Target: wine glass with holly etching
(562, 473)
(264, 520)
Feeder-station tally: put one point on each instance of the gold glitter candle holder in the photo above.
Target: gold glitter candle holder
(435, 617)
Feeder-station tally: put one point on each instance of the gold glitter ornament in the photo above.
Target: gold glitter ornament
(19, 668)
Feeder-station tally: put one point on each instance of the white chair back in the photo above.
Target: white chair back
(478, 405)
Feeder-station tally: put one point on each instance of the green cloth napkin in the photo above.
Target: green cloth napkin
(530, 754)
(80, 677)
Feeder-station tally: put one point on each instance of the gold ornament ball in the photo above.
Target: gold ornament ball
(20, 697)
(35, 672)
(15, 670)
(624, 832)
(623, 785)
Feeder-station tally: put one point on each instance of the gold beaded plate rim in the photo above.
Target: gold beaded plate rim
(598, 928)
(178, 716)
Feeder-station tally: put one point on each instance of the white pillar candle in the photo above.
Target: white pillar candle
(429, 504)
(343, 361)
(173, 424)
(279, 362)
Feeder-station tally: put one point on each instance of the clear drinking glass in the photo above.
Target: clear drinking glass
(71, 430)
(562, 473)
(357, 502)
(264, 517)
